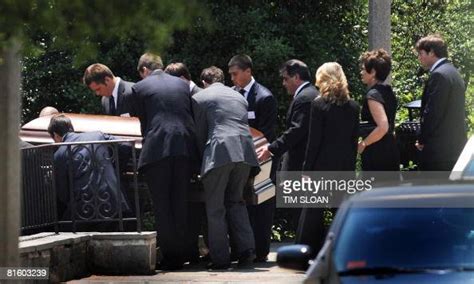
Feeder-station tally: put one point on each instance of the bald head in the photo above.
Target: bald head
(49, 110)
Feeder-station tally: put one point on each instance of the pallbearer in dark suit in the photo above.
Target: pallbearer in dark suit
(113, 90)
(228, 154)
(443, 126)
(292, 143)
(196, 210)
(332, 143)
(87, 178)
(163, 104)
(180, 70)
(262, 115)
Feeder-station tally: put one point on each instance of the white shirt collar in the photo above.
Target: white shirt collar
(191, 86)
(115, 91)
(301, 87)
(248, 87)
(438, 62)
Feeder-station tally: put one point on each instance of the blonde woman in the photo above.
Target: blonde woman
(334, 123)
(332, 142)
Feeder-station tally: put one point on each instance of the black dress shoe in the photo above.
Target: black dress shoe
(218, 266)
(193, 260)
(246, 258)
(206, 257)
(260, 259)
(168, 265)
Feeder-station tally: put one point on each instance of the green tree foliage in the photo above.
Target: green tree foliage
(59, 38)
(82, 25)
(272, 32)
(412, 20)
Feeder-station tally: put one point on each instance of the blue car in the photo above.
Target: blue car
(411, 234)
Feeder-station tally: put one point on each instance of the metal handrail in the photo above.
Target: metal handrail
(88, 164)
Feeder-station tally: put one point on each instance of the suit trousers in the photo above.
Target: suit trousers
(427, 164)
(196, 223)
(261, 219)
(311, 230)
(226, 211)
(169, 182)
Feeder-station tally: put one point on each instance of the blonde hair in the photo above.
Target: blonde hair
(332, 83)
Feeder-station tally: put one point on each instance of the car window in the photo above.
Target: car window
(399, 237)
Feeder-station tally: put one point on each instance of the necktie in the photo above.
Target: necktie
(112, 105)
(242, 92)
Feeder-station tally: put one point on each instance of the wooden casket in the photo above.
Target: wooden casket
(260, 187)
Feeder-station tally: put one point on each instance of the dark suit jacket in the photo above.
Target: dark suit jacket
(86, 175)
(264, 105)
(293, 140)
(163, 104)
(332, 143)
(222, 128)
(124, 90)
(443, 127)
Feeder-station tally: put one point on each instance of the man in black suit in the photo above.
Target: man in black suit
(113, 90)
(87, 177)
(180, 70)
(262, 115)
(292, 143)
(163, 104)
(196, 209)
(443, 128)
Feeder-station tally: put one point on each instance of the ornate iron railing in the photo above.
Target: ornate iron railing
(38, 195)
(84, 184)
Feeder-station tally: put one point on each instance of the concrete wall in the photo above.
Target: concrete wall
(72, 256)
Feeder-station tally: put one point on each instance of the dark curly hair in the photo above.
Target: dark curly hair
(378, 60)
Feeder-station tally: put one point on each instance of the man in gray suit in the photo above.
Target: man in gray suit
(228, 155)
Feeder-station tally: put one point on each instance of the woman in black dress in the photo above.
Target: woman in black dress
(378, 149)
(332, 142)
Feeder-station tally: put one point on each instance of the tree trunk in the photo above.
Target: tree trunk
(9, 155)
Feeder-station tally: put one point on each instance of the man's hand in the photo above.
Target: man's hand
(263, 153)
(419, 146)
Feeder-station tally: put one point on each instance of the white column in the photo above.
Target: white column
(380, 24)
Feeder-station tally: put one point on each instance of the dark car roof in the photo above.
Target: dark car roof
(444, 195)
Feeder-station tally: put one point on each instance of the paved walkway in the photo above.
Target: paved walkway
(262, 273)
